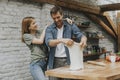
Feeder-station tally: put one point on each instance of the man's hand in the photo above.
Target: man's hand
(83, 42)
(68, 42)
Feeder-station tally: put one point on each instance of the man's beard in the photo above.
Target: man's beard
(59, 24)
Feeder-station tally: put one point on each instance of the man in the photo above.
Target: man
(58, 35)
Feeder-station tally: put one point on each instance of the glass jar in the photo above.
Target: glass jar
(104, 50)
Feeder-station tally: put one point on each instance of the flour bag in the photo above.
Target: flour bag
(76, 57)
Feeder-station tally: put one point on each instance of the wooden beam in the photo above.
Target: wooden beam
(118, 28)
(71, 4)
(114, 28)
(110, 7)
(101, 23)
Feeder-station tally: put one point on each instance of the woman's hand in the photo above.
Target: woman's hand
(69, 20)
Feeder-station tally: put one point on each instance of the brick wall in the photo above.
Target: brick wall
(14, 55)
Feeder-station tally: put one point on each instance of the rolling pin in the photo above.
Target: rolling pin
(96, 63)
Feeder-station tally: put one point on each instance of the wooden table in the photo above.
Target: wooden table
(90, 72)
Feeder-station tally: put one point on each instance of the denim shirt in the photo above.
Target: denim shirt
(68, 32)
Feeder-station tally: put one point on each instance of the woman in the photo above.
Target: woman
(34, 39)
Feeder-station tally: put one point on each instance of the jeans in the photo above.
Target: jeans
(59, 63)
(37, 69)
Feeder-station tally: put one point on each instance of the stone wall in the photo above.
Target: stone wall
(14, 55)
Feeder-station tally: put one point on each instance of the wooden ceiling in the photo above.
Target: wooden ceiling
(110, 7)
(71, 4)
(118, 30)
(92, 12)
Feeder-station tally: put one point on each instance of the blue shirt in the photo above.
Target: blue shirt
(68, 32)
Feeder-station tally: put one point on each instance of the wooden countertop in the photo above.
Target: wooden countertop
(90, 72)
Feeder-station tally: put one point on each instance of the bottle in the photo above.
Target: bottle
(89, 49)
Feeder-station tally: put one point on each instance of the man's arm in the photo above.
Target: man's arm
(83, 42)
(51, 42)
(79, 35)
(66, 41)
(54, 42)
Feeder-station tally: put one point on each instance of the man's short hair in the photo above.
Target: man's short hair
(56, 9)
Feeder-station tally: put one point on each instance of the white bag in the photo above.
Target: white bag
(76, 57)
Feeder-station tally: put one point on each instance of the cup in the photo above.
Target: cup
(112, 59)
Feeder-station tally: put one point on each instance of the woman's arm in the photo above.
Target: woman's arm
(41, 39)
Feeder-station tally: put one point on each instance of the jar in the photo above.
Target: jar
(104, 50)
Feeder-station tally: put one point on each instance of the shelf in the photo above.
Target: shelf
(83, 26)
(96, 37)
(85, 55)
